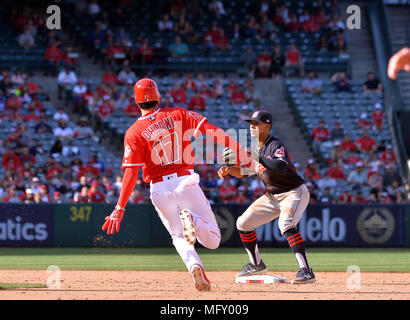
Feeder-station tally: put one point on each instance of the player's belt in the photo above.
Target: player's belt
(171, 176)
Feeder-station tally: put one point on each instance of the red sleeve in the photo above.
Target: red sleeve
(133, 151)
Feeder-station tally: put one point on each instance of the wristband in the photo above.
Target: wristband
(117, 207)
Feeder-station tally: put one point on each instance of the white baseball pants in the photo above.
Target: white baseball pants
(175, 194)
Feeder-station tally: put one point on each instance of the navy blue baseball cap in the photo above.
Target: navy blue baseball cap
(261, 116)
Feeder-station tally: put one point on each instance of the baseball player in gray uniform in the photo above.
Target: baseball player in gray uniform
(286, 197)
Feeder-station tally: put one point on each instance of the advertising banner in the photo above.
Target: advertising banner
(26, 225)
(344, 225)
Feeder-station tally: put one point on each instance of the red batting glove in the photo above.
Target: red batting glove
(112, 222)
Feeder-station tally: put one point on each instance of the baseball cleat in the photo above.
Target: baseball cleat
(188, 226)
(201, 282)
(304, 275)
(250, 270)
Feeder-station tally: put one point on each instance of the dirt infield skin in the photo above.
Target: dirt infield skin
(177, 285)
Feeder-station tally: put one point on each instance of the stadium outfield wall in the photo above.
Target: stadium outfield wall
(80, 225)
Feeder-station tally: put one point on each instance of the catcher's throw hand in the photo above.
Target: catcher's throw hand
(112, 222)
(229, 157)
(223, 171)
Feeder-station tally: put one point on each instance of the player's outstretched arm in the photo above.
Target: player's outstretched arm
(221, 138)
(112, 222)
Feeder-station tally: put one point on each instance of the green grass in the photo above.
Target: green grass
(277, 259)
(4, 286)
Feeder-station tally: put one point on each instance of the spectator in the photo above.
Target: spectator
(341, 82)
(345, 197)
(312, 85)
(337, 152)
(165, 24)
(244, 115)
(190, 83)
(84, 131)
(293, 25)
(28, 196)
(53, 56)
(313, 195)
(145, 53)
(178, 48)
(310, 24)
(66, 80)
(253, 97)
(60, 115)
(248, 57)
(374, 177)
(319, 135)
(93, 8)
(17, 78)
(178, 8)
(78, 91)
(94, 194)
(378, 117)
(82, 196)
(236, 32)
(327, 197)
(241, 197)
(238, 96)
(221, 42)
(110, 78)
(126, 75)
(43, 126)
(178, 94)
(44, 194)
(335, 172)
(353, 157)
(252, 27)
(278, 60)
(365, 143)
(57, 197)
(326, 181)
(181, 27)
(388, 156)
(347, 144)
(63, 132)
(395, 190)
(359, 198)
(115, 54)
(57, 149)
(372, 85)
(191, 36)
(106, 108)
(363, 123)
(69, 58)
(358, 176)
(337, 133)
(132, 109)
(217, 8)
(293, 59)
(311, 172)
(227, 192)
(26, 40)
(197, 102)
(390, 175)
(12, 196)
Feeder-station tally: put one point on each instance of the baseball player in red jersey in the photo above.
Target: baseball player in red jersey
(159, 142)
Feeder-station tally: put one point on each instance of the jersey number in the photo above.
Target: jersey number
(167, 149)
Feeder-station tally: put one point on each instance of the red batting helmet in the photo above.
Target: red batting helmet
(146, 90)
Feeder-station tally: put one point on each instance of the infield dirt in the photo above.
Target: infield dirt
(177, 285)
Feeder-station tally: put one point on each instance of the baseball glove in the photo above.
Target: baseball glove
(229, 157)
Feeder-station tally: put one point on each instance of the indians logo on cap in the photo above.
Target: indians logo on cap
(255, 114)
(280, 152)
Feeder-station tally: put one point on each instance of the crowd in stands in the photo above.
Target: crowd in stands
(112, 34)
(360, 163)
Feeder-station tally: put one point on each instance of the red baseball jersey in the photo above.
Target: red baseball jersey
(160, 142)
